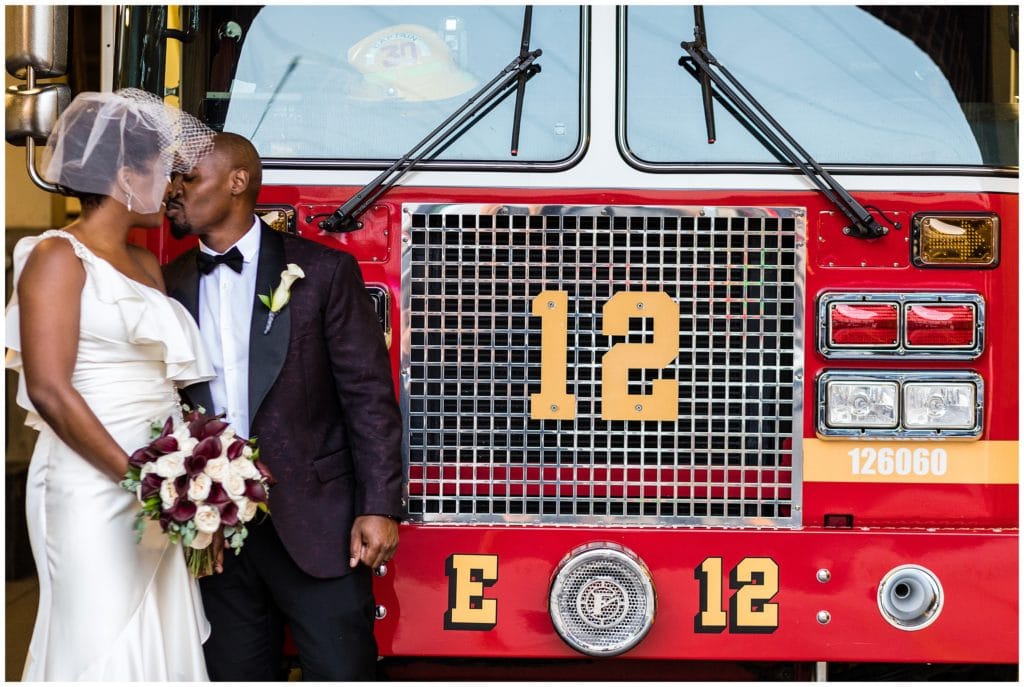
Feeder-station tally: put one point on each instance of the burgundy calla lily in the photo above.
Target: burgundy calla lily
(168, 427)
(141, 457)
(229, 514)
(235, 449)
(208, 448)
(213, 428)
(218, 495)
(255, 491)
(195, 464)
(150, 485)
(265, 472)
(181, 485)
(167, 444)
(183, 510)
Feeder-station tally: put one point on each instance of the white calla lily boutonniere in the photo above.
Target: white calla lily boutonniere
(276, 301)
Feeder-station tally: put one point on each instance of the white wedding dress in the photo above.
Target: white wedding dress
(110, 609)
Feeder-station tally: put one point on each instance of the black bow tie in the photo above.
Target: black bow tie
(208, 263)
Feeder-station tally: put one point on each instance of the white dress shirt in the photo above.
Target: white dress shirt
(225, 313)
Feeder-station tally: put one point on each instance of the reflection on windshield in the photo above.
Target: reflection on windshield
(849, 87)
(370, 82)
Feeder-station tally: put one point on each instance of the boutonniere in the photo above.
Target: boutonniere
(282, 294)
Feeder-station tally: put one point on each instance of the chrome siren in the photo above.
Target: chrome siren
(602, 600)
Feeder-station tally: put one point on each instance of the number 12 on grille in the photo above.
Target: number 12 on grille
(554, 403)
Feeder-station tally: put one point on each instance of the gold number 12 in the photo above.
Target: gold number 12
(553, 403)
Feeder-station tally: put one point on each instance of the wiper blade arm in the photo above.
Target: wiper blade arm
(345, 218)
(700, 41)
(862, 224)
(522, 78)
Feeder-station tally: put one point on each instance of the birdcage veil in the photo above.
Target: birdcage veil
(101, 134)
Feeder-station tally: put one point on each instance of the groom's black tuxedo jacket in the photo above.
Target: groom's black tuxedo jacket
(321, 398)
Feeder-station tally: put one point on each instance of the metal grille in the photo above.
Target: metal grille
(472, 353)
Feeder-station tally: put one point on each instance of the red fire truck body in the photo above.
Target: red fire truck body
(835, 479)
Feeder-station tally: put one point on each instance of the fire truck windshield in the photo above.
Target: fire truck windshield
(858, 87)
(855, 85)
(368, 82)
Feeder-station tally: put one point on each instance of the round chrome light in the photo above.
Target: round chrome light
(910, 597)
(602, 599)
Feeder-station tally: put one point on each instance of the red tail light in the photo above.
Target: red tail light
(864, 324)
(940, 326)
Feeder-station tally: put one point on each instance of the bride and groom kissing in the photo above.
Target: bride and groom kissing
(312, 382)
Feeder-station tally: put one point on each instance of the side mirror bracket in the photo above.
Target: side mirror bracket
(36, 40)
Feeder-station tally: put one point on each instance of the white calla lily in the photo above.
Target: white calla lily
(282, 294)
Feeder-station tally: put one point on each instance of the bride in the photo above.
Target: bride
(100, 350)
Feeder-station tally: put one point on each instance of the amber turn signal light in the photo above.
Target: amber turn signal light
(956, 240)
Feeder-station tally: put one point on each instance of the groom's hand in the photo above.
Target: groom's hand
(218, 551)
(373, 542)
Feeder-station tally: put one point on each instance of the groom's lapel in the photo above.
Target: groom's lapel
(267, 351)
(186, 292)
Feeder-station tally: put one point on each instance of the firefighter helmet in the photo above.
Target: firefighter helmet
(406, 62)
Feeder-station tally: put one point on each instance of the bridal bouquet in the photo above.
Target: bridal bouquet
(199, 479)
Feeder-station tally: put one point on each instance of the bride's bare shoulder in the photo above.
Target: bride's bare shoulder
(53, 261)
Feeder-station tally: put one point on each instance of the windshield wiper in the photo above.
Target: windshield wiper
(521, 78)
(862, 224)
(518, 71)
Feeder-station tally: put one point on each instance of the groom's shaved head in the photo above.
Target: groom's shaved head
(241, 154)
(215, 200)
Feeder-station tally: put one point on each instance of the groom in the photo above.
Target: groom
(313, 384)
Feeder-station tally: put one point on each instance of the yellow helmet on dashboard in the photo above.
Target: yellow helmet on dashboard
(406, 62)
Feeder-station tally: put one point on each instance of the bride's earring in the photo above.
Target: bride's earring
(129, 201)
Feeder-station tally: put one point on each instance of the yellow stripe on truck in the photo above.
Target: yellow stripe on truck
(919, 462)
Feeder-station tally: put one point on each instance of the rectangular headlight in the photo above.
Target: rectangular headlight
(930, 405)
(861, 404)
(910, 404)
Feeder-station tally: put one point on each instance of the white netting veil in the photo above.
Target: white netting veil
(124, 145)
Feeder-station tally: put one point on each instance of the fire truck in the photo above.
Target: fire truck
(703, 320)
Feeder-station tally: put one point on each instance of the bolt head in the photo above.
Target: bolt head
(824, 575)
(824, 617)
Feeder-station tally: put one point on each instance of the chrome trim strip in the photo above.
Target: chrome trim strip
(902, 351)
(938, 376)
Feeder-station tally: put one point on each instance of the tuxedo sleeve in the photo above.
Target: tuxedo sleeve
(362, 375)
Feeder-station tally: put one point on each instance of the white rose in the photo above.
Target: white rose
(146, 469)
(199, 487)
(202, 540)
(244, 468)
(187, 444)
(217, 469)
(168, 493)
(207, 519)
(247, 451)
(226, 437)
(246, 509)
(234, 485)
(171, 465)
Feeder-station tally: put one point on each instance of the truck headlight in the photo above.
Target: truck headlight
(918, 404)
(861, 404)
(938, 406)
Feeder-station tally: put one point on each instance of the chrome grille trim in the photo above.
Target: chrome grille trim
(470, 358)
